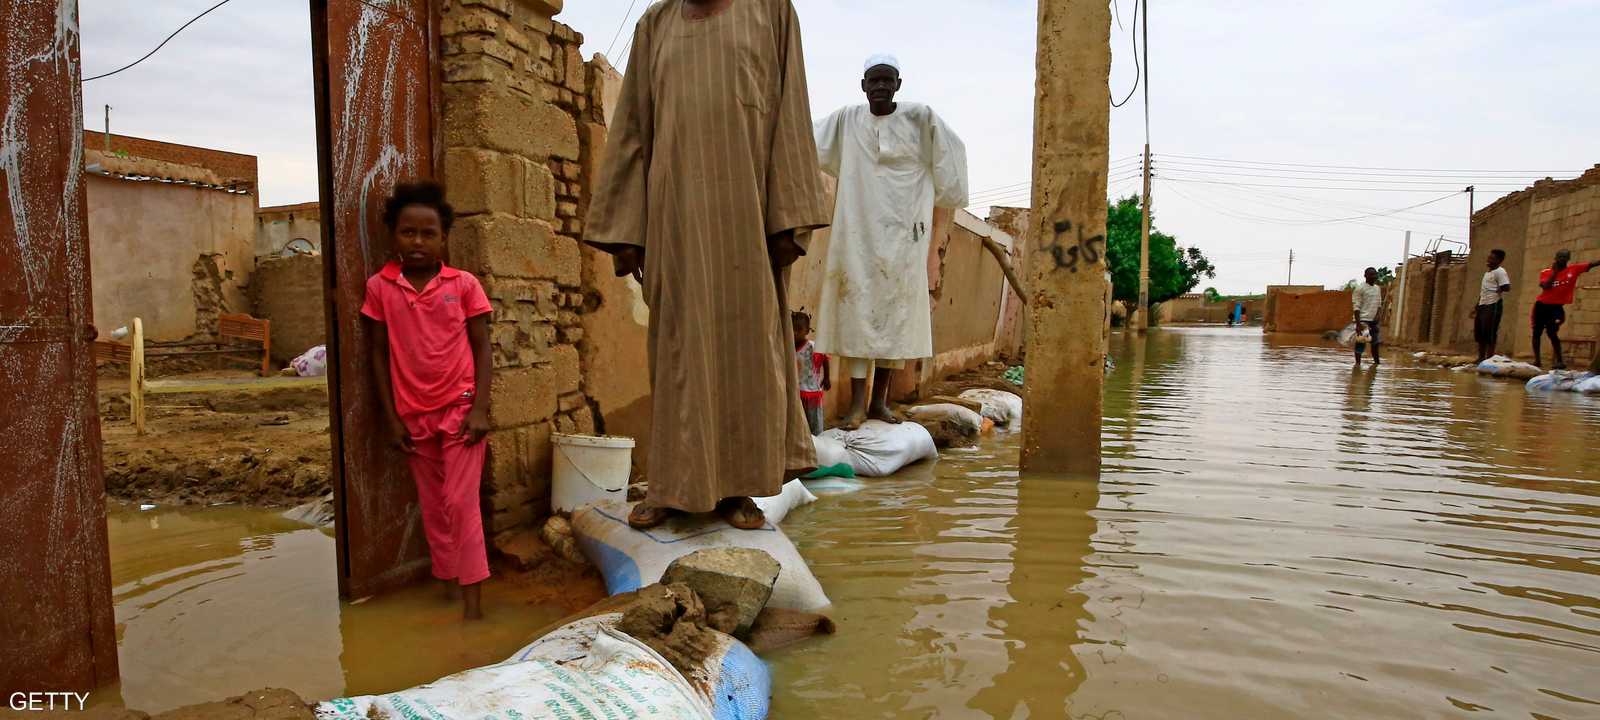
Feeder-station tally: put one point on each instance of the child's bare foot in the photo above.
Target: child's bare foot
(882, 412)
(854, 420)
(472, 602)
(449, 590)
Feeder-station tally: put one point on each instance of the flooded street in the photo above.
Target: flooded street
(1275, 535)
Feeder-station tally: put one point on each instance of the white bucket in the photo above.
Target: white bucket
(589, 469)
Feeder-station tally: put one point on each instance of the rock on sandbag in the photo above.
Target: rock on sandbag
(585, 669)
(733, 582)
(1004, 408)
(880, 449)
(1502, 366)
(629, 559)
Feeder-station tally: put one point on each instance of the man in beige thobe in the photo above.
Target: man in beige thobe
(710, 186)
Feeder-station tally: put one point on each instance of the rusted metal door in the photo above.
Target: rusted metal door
(376, 92)
(56, 622)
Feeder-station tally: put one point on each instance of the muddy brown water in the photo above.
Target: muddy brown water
(1274, 535)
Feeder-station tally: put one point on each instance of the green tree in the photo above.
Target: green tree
(1173, 270)
(1212, 296)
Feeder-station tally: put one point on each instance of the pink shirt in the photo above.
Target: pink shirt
(430, 357)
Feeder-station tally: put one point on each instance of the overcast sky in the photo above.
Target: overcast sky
(1409, 95)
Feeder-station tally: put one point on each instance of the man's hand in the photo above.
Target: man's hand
(476, 427)
(783, 250)
(629, 261)
(400, 437)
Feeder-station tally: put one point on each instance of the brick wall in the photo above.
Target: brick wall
(232, 169)
(515, 97)
(1312, 312)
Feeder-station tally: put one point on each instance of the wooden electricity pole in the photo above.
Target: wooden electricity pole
(1066, 268)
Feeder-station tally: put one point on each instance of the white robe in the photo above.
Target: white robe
(892, 171)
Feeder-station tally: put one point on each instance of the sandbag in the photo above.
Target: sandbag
(587, 669)
(1502, 366)
(830, 449)
(879, 449)
(1559, 381)
(967, 420)
(777, 507)
(629, 559)
(1588, 387)
(1004, 408)
(311, 363)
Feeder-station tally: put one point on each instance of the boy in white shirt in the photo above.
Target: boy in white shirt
(1486, 316)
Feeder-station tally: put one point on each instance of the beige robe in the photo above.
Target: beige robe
(710, 152)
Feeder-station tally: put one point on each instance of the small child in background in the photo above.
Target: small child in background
(813, 367)
(428, 325)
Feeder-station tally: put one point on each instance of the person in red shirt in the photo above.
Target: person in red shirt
(428, 328)
(1559, 281)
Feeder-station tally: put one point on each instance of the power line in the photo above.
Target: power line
(1355, 167)
(1380, 181)
(163, 43)
(620, 26)
(1137, 70)
(1442, 175)
(1315, 187)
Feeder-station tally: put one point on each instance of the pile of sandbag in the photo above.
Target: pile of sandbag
(877, 448)
(1502, 366)
(1566, 381)
(1001, 407)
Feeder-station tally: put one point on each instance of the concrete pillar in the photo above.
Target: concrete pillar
(1067, 269)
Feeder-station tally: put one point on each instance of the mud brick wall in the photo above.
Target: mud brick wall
(514, 98)
(288, 291)
(1312, 312)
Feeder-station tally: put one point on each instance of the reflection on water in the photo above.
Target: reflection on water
(214, 602)
(1275, 535)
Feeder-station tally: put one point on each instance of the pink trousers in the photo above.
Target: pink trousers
(448, 472)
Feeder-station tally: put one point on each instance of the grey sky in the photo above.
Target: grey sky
(1412, 84)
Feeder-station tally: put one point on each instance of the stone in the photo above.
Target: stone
(557, 533)
(510, 246)
(469, 20)
(496, 118)
(520, 396)
(566, 370)
(500, 6)
(524, 548)
(734, 583)
(471, 43)
(482, 181)
(475, 68)
(539, 191)
(545, 8)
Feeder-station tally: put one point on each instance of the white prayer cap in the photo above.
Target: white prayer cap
(882, 59)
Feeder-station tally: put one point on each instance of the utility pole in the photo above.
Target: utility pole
(108, 128)
(1141, 320)
(1472, 209)
(1066, 265)
(1291, 267)
(1400, 303)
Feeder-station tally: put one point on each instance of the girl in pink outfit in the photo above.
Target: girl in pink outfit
(429, 329)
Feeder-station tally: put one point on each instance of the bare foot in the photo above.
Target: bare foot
(882, 412)
(853, 420)
(472, 602)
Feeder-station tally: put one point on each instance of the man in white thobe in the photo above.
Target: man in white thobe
(895, 162)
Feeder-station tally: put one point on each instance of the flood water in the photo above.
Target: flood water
(215, 602)
(1274, 535)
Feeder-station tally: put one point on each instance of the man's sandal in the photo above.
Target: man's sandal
(742, 513)
(646, 516)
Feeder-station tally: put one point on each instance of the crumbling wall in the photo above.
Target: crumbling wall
(172, 254)
(288, 291)
(515, 97)
(1274, 294)
(277, 227)
(1312, 312)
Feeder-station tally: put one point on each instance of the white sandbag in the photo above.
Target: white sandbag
(833, 485)
(964, 418)
(1502, 366)
(1559, 381)
(311, 363)
(1004, 408)
(1589, 386)
(777, 507)
(830, 451)
(732, 681)
(879, 449)
(629, 559)
(595, 672)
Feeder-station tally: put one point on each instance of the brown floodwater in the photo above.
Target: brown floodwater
(1274, 535)
(214, 602)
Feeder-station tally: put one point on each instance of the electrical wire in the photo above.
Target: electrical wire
(1440, 175)
(163, 43)
(1137, 70)
(625, 15)
(1351, 167)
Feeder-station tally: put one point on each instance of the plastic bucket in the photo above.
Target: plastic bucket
(589, 469)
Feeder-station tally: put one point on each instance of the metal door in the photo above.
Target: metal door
(377, 89)
(56, 622)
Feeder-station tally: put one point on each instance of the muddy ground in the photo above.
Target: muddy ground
(264, 447)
